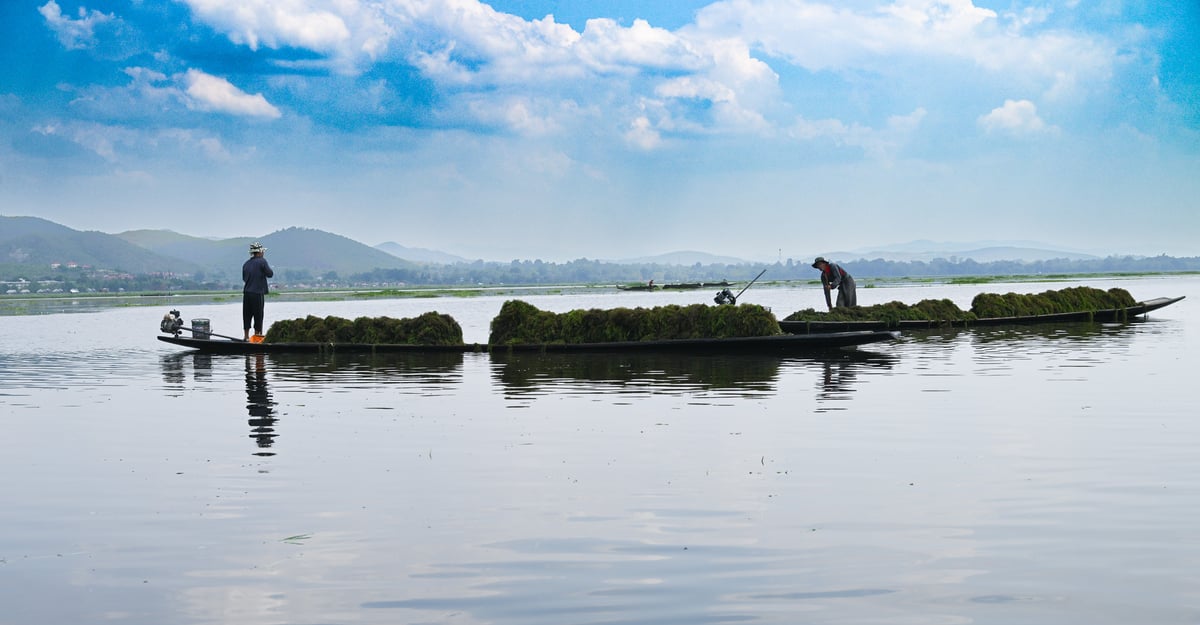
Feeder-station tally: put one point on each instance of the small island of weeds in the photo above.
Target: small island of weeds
(522, 323)
(431, 328)
(983, 306)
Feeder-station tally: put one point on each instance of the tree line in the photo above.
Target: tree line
(585, 271)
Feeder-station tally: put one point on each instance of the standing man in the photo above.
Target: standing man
(834, 277)
(254, 295)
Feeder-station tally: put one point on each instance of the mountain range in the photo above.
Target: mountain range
(36, 242)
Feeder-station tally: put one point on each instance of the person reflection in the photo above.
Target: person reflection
(259, 404)
(837, 380)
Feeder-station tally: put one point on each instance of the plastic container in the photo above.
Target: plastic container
(201, 329)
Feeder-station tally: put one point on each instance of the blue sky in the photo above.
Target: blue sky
(610, 129)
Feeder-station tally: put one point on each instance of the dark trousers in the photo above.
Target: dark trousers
(252, 311)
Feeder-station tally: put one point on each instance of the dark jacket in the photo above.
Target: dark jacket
(833, 275)
(255, 273)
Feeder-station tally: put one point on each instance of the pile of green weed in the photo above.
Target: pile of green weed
(430, 328)
(983, 306)
(891, 313)
(522, 323)
(1073, 299)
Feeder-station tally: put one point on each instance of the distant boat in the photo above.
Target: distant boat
(683, 286)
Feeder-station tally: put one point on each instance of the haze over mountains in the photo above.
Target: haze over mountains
(38, 242)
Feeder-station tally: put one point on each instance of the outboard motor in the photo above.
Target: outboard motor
(172, 323)
(725, 297)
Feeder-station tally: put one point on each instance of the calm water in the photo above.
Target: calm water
(1002, 475)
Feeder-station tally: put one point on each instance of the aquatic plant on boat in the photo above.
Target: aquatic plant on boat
(1072, 299)
(430, 328)
(891, 312)
(983, 306)
(522, 323)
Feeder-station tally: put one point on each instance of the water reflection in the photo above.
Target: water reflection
(174, 367)
(525, 374)
(429, 374)
(840, 372)
(1026, 335)
(259, 404)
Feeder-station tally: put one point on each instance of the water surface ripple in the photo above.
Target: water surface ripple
(987, 476)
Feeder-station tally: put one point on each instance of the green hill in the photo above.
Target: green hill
(32, 244)
(38, 243)
(315, 252)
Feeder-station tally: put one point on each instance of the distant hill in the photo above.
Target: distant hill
(40, 243)
(292, 249)
(685, 258)
(979, 251)
(420, 255)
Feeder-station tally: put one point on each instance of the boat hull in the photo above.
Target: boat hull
(223, 346)
(1102, 316)
(779, 344)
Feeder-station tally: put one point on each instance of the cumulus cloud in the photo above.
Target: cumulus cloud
(336, 27)
(714, 75)
(468, 47)
(1016, 117)
(73, 34)
(212, 93)
(824, 36)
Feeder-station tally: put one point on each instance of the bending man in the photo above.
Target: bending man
(834, 277)
(255, 272)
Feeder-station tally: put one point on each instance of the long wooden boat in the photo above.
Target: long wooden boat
(1108, 315)
(686, 286)
(778, 344)
(225, 346)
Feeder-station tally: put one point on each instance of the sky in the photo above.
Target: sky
(558, 130)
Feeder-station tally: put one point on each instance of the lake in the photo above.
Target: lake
(992, 475)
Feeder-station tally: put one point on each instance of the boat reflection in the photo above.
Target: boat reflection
(266, 376)
(527, 374)
(424, 373)
(1082, 332)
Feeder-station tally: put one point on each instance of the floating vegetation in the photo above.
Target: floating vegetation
(983, 306)
(430, 328)
(1074, 299)
(891, 312)
(522, 323)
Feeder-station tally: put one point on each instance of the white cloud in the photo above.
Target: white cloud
(878, 37)
(880, 144)
(518, 114)
(211, 93)
(641, 134)
(466, 44)
(1016, 117)
(536, 76)
(73, 34)
(606, 46)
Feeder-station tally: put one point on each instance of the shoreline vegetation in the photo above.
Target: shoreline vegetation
(47, 303)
